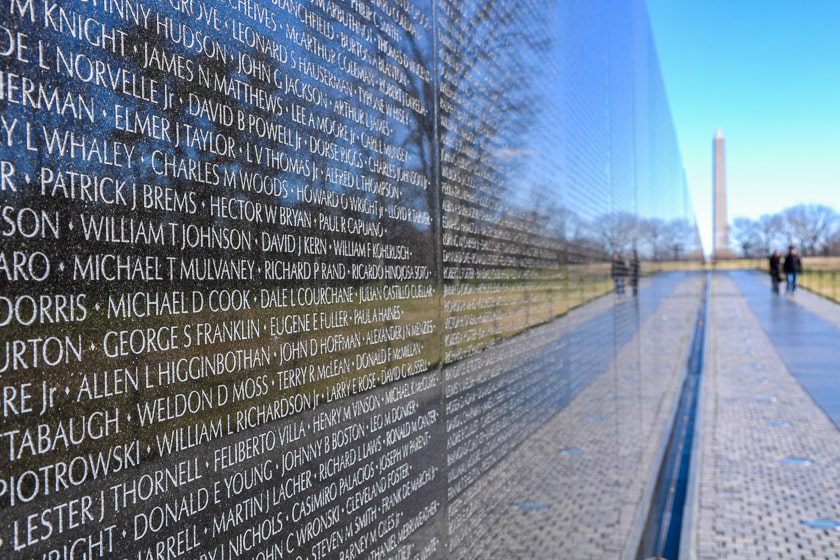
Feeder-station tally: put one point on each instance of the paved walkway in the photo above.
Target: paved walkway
(804, 331)
(766, 466)
(576, 487)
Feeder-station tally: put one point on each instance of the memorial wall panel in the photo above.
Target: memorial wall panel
(297, 279)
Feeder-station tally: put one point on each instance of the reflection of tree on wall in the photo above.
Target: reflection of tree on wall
(486, 101)
(548, 220)
(653, 238)
(681, 236)
(418, 137)
(618, 231)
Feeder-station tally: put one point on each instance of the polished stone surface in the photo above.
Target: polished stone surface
(805, 341)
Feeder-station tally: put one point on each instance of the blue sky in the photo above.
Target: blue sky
(768, 73)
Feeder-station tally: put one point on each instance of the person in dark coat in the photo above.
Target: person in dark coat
(775, 271)
(635, 270)
(792, 268)
(618, 271)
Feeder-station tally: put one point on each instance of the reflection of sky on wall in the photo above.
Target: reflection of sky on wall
(602, 139)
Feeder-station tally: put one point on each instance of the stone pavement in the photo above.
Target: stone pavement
(766, 465)
(578, 487)
(804, 331)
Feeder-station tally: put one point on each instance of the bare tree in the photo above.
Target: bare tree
(746, 233)
(833, 245)
(811, 225)
(770, 229)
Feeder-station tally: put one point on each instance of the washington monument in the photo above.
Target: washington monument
(720, 220)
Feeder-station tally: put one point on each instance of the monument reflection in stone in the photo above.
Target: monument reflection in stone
(292, 279)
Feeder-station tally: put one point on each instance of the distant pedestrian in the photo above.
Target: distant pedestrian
(618, 271)
(635, 270)
(775, 271)
(792, 268)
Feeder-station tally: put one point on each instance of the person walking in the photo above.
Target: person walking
(635, 270)
(792, 268)
(775, 271)
(618, 271)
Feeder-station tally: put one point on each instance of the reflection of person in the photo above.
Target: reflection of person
(792, 267)
(618, 271)
(635, 269)
(775, 271)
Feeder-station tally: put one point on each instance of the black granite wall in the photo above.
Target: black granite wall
(286, 279)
